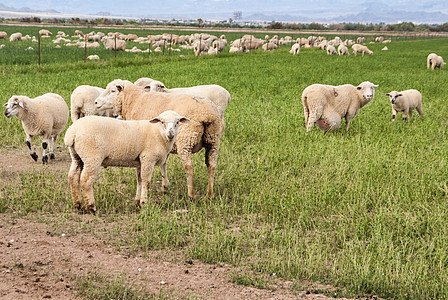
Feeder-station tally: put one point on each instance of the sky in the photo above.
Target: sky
(196, 8)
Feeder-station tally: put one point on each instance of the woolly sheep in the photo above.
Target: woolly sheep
(385, 48)
(326, 105)
(331, 50)
(435, 61)
(3, 35)
(343, 50)
(269, 46)
(93, 57)
(217, 94)
(405, 101)
(295, 49)
(204, 130)
(94, 142)
(360, 40)
(82, 103)
(44, 32)
(44, 116)
(15, 37)
(111, 44)
(361, 48)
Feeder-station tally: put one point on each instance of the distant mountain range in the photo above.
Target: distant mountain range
(25, 9)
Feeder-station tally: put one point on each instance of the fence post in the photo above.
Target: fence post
(164, 43)
(149, 48)
(85, 48)
(38, 46)
(115, 50)
(171, 40)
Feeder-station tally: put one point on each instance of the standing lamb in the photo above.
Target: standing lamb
(295, 49)
(82, 103)
(326, 105)
(204, 130)
(44, 116)
(343, 50)
(361, 48)
(435, 61)
(405, 101)
(94, 142)
(15, 37)
(217, 94)
(331, 50)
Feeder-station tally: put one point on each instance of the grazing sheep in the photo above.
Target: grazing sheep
(15, 37)
(331, 50)
(93, 57)
(204, 130)
(361, 48)
(82, 103)
(295, 49)
(405, 101)
(94, 142)
(217, 94)
(385, 48)
(2, 46)
(435, 61)
(219, 45)
(360, 40)
(343, 50)
(112, 44)
(269, 46)
(45, 32)
(326, 105)
(200, 47)
(3, 35)
(44, 116)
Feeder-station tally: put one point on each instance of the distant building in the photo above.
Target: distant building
(237, 15)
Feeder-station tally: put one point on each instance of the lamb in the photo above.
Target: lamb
(44, 116)
(204, 130)
(217, 94)
(3, 35)
(360, 40)
(82, 103)
(94, 142)
(295, 49)
(343, 50)
(331, 50)
(112, 44)
(435, 61)
(269, 46)
(361, 48)
(93, 57)
(45, 32)
(326, 105)
(405, 101)
(15, 37)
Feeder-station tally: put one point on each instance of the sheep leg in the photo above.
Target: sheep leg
(45, 143)
(165, 181)
(30, 146)
(211, 159)
(313, 117)
(410, 114)
(139, 185)
(420, 110)
(52, 143)
(405, 115)
(146, 173)
(88, 176)
(187, 162)
(347, 121)
(74, 178)
(394, 114)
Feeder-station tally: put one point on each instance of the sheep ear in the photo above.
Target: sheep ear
(119, 87)
(184, 120)
(358, 87)
(5, 105)
(387, 94)
(147, 88)
(399, 95)
(376, 85)
(154, 120)
(21, 104)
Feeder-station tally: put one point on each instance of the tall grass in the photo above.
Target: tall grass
(363, 210)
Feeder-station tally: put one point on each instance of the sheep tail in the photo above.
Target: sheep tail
(69, 139)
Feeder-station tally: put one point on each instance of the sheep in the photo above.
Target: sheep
(3, 35)
(201, 46)
(295, 49)
(326, 105)
(360, 40)
(385, 48)
(219, 45)
(94, 142)
(204, 130)
(44, 116)
(405, 101)
(15, 37)
(82, 103)
(343, 50)
(435, 61)
(78, 33)
(112, 44)
(45, 32)
(361, 48)
(217, 94)
(331, 50)
(269, 46)
(93, 57)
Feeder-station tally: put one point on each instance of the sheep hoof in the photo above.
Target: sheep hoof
(34, 156)
(77, 205)
(52, 156)
(45, 159)
(92, 209)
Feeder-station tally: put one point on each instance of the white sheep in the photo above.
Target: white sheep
(405, 101)
(93, 57)
(295, 49)
(343, 50)
(435, 61)
(3, 35)
(361, 48)
(204, 130)
(331, 50)
(217, 94)
(82, 102)
(45, 32)
(15, 37)
(326, 105)
(114, 44)
(44, 116)
(269, 46)
(94, 142)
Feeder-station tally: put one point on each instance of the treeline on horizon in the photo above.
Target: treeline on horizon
(404, 26)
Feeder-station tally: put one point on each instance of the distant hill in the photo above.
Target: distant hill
(25, 9)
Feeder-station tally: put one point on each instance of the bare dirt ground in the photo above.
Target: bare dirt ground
(38, 263)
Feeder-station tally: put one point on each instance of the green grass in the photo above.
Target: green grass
(363, 211)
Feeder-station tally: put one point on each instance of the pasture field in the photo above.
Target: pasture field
(362, 212)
